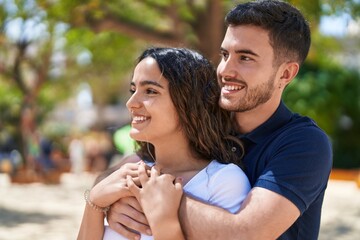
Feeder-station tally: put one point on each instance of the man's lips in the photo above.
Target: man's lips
(232, 87)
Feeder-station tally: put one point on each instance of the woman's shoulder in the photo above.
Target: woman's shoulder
(218, 167)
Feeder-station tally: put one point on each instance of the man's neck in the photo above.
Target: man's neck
(250, 120)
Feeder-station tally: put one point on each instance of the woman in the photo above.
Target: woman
(181, 131)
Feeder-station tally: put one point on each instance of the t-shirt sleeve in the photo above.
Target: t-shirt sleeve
(299, 166)
(228, 188)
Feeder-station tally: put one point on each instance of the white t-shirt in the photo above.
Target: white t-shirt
(222, 185)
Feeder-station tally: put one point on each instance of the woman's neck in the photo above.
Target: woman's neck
(177, 160)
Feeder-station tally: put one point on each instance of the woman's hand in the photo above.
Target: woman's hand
(159, 197)
(114, 187)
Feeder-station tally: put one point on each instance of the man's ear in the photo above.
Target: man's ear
(288, 72)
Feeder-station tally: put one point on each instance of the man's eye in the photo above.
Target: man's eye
(224, 55)
(132, 91)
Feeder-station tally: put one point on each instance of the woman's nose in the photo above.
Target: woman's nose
(133, 102)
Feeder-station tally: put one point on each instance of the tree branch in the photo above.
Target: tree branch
(110, 23)
(17, 76)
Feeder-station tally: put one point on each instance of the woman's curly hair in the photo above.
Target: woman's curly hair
(195, 93)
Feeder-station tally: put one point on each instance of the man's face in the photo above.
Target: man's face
(246, 72)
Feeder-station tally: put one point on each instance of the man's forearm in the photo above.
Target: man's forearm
(201, 221)
(257, 219)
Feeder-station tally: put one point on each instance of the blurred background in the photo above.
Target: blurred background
(65, 68)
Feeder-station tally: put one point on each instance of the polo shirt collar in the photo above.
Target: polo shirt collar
(281, 116)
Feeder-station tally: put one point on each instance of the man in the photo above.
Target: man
(287, 157)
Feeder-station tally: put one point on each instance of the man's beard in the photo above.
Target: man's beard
(254, 97)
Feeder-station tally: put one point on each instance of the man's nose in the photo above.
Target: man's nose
(227, 69)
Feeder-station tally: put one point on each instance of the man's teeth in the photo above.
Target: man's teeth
(139, 118)
(232, 87)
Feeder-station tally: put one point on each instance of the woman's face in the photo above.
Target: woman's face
(153, 113)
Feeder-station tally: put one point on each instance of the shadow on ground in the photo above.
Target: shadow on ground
(12, 218)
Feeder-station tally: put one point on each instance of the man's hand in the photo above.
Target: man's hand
(127, 218)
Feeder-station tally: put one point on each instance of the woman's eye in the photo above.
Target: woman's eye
(151, 91)
(132, 91)
(245, 58)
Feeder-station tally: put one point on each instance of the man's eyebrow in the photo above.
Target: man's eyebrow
(244, 51)
(148, 82)
(223, 49)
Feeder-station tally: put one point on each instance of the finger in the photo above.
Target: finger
(123, 212)
(168, 177)
(133, 172)
(154, 172)
(157, 168)
(147, 168)
(131, 207)
(133, 188)
(134, 203)
(136, 180)
(128, 169)
(124, 231)
(178, 183)
(133, 168)
(143, 176)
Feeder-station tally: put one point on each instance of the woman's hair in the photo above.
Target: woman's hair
(195, 93)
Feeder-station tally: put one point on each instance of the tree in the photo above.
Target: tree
(96, 42)
(26, 63)
(196, 24)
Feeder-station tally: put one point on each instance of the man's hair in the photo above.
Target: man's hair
(289, 32)
(195, 94)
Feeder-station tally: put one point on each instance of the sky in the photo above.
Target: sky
(337, 25)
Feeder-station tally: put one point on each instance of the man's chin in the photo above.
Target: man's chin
(227, 106)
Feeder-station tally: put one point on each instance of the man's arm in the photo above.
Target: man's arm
(263, 215)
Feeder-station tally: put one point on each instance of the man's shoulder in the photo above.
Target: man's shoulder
(302, 137)
(306, 125)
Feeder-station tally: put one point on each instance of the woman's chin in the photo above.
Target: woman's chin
(136, 135)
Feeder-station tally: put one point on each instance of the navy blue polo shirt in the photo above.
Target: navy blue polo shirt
(290, 155)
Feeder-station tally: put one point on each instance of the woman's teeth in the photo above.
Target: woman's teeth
(139, 119)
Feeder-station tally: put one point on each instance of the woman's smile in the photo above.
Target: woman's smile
(139, 119)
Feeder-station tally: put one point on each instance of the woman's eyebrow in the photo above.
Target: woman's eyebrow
(148, 82)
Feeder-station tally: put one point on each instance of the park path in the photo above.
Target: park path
(53, 212)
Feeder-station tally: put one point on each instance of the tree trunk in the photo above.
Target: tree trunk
(210, 30)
